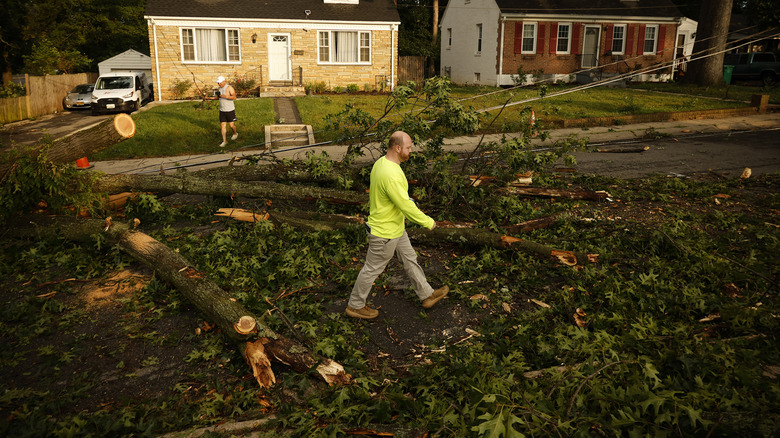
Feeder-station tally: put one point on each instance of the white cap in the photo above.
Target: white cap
(220, 79)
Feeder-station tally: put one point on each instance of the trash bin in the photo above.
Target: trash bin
(727, 70)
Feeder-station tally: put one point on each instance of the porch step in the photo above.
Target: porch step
(281, 91)
(279, 136)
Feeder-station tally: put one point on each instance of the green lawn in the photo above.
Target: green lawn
(560, 102)
(191, 128)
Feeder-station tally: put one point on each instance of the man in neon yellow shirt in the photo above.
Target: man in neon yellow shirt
(389, 207)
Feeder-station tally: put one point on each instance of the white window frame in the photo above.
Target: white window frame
(227, 30)
(622, 40)
(360, 46)
(568, 39)
(648, 27)
(479, 39)
(522, 41)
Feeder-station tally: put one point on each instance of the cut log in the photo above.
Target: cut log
(84, 142)
(599, 195)
(191, 184)
(240, 214)
(92, 139)
(258, 343)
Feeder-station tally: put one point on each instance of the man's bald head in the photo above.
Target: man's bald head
(399, 147)
(397, 139)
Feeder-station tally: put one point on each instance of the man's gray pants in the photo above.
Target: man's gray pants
(380, 251)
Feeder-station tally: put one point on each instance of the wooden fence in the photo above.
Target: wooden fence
(44, 96)
(411, 68)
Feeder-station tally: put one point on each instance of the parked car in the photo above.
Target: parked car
(761, 66)
(79, 97)
(120, 91)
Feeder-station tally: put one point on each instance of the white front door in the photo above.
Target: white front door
(590, 47)
(279, 60)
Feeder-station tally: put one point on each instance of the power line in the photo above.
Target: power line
(599, 83)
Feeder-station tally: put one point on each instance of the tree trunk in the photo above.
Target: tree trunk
(259, 344)
(472, 237)
(711, 36)
(292, 173)
(85, 141)
(216, 186)
(555, 193)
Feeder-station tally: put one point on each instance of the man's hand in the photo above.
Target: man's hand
(434, 224)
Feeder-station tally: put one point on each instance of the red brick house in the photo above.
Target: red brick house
(493, 42)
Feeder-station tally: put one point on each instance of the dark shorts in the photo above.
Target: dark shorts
(227, 116)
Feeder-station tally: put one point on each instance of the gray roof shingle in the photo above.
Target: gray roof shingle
(643, 8)
(366, 10)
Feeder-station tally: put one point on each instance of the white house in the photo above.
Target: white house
(686, 36)
(129, 60)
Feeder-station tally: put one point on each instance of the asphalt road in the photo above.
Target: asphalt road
(726, 154)
(724, 146)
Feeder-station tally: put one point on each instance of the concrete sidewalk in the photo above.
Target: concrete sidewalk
(595, 135)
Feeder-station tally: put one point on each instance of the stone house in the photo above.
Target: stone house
(273, 43)
(498, 42)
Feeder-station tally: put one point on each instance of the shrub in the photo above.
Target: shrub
(318, 87)
(13, 90)
(180, 88)
(352, 88)
(243, 85)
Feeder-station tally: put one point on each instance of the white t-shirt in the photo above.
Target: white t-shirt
(225, 105)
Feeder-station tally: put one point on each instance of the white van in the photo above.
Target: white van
(120, 91)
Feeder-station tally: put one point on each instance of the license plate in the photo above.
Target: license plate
(109, 105)
(79, 103)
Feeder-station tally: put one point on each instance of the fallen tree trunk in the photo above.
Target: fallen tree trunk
(556, 193)
(85, 141)
(480, 238)
(258, 343)
(191, 184)
(623, 149)
(533, 224)
(280, 172)
(472, 237)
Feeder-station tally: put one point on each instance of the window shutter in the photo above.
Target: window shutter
(608, 38)
(575, 39)
(540, 39)
(660, 47)
(630, 29)
(553, 37)
(518, 36)
(640, 40)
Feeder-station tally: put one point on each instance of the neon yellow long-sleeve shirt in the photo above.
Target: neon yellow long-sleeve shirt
(389, 201)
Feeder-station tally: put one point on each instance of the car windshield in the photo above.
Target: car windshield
(115, 83)
(82, 89)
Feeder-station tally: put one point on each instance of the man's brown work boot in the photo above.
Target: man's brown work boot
(435, 297)
(364, 313)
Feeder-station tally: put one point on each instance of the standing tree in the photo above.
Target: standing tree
(712, 33)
